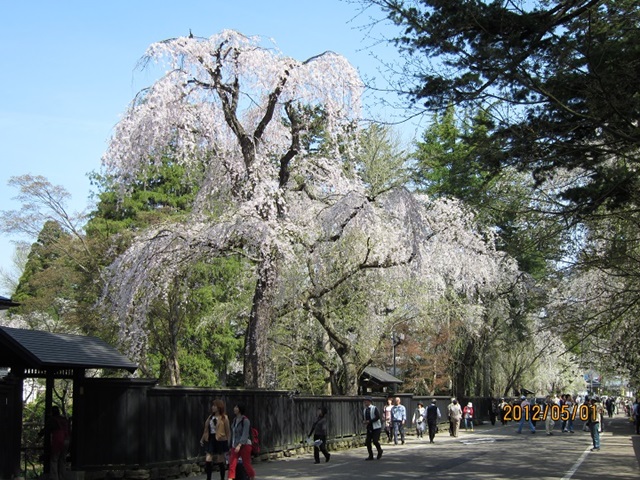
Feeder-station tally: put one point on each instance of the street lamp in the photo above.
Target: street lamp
(396, 339)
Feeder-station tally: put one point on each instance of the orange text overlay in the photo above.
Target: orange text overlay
(537, 413)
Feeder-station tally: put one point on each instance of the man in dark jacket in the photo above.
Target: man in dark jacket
(433, 414)
(373, 422)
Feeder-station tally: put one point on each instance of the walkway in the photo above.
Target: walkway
(491, 452)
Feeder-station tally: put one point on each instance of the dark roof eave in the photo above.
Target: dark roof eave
(6, 303)
(46, 350)
(104, 366)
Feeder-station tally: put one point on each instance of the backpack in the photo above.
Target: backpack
(255, 440)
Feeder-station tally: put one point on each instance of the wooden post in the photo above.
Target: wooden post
(48, 403)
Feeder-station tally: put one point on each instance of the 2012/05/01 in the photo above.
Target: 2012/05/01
(538, 413)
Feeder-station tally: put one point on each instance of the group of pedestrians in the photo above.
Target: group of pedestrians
(226, 441)
(394, 419)
(564, 410)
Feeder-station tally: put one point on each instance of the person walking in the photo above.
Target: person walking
(636, 415)
(449, 417)
(240, 444)
(433, 414)
(467, 414)
(594, 423)
(319, 431)
(563, 421)
(215, 439)
(501, 411)
(419, 420)
(525, 411)
(455, 415)
(549, 423)
(399, 418)
(60, 434)
(609, 404)
(570, 404)
(373, 422)
(388, 424)
(493, 411)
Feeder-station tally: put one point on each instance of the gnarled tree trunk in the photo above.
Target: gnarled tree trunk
(256, 346)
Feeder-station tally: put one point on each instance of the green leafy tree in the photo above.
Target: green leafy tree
(380, 160)
(563, 73)
(47, 288)
(561, 79)
(193, 330)
(445, 164)
(196, 334)
(449, 163)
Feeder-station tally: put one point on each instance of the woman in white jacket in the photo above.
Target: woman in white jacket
(419, 419)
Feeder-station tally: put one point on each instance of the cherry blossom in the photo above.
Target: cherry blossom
(236, 110)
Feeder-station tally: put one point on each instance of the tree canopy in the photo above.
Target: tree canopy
(556, 81)
(558, 77)
(246, 205)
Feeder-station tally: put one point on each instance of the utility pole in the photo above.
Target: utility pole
(396, 339)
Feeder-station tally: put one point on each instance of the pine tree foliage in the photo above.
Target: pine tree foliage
(560, 77)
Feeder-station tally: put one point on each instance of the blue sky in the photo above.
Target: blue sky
(69, 71)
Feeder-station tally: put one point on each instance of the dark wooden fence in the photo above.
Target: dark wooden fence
(128, 424)
(10, 426)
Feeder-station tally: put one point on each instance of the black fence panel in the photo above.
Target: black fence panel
(135, 424)
(110, 423)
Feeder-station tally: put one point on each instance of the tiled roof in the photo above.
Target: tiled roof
(380, 375)
(41, 350)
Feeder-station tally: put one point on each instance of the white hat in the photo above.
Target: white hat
(469, 404)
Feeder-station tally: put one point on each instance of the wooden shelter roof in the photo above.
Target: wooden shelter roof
(379, 376)
(40, 350)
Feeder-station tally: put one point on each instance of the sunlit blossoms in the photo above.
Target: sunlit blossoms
(270, 137)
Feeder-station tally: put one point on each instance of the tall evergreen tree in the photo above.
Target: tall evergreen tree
(47, 288)
(564, 76)
(448, 162)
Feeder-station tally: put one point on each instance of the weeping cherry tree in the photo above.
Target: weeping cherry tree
(243, 111)
(274, 141)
